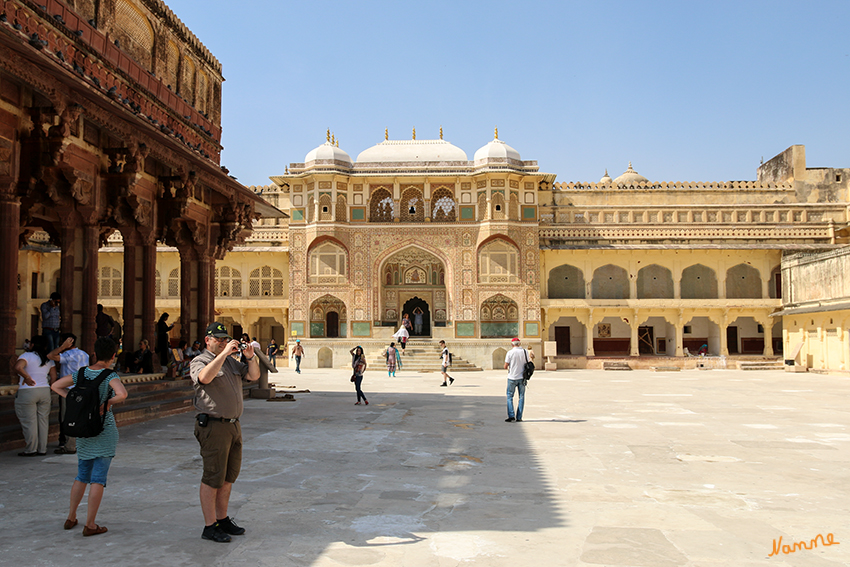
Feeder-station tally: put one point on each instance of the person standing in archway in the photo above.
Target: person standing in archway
(163, 347)
(417, 321)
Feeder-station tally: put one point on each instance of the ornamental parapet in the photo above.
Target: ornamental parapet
(674, 186)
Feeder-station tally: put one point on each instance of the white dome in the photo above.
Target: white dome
(631, 177)
(605, 178)
(399, 151)
(496, 149)
(327, 152)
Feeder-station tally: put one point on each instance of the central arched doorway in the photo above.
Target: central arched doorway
(411, 279)
(410, 307)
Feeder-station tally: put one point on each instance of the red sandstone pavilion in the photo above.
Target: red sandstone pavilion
(110, 120)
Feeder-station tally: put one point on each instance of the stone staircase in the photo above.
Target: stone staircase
(421, 355)
(761, 365)
(615, 365)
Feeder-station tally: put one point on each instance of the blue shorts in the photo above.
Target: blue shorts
(93, 471)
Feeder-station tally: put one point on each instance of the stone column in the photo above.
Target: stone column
(67, 274)
(129, 307)
(589, 335)
(768, 336)
(205, 295)
(148, 292)
(634, 349)
(91, 242)
(187, 290)
(680, 334)
(724, 343)
(10, 215)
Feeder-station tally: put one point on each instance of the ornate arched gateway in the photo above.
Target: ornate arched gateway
(413, 279)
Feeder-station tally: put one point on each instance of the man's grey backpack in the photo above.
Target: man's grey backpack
(83, 415)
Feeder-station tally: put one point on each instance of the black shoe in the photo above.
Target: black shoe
(215, 533)
(443, 384)
(510, 419)
(34, 454)
(519, 419)
(451, 380)
(228, 526)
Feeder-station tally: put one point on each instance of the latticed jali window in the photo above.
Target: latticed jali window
(109, 282)
(157, 286)
(174, 283)
(187, 88)
(136, 31)
(265, 281)
(173, 55)
(482, 206)
(201, 99)
(381, 206)
(228, 282)
(513, 207)
(327, 264)
(325, 208)
(498, 201)
(498, 263)
(412, 206)
(443, 206)
(341, 209)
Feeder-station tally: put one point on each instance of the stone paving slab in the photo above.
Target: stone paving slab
(694, 468)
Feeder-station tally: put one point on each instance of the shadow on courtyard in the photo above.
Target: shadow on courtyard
(320, 477)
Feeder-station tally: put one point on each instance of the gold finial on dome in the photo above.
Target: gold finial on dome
(333, 139)
(441, 132)
(329, 135)
(337, 143)
(386, 133)
(496, 133)
(414, 132)
(287, 170)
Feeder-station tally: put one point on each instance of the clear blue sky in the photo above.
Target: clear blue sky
(688, 91)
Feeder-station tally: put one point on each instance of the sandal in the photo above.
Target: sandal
(70, 524)
(94, 531)
(356, 403)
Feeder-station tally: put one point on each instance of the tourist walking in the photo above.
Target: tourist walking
(70, 359)
(358, 366)
(271, 352)
(515, 361)
(393, 360)
(401, 336)
(103, 323)
(297, 353)
(32, 401)
(94, 454)
(163, 347)
(217, 379)
(445, 362)
(51, 318)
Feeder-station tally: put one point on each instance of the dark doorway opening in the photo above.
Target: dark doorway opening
(732, 339)
(562, 338)
(332, 325)
(409, 308)
(646, 340)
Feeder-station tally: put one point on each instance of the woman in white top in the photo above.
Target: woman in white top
(32, 402)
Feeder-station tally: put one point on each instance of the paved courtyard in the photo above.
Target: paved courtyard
(696, 468)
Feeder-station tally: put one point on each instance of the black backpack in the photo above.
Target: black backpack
(83, 416)
(528, 369)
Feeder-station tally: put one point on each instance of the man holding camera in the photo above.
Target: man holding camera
(217, 379)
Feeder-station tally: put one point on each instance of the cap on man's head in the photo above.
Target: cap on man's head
(297, 340)
(218, 331)
(515, 340)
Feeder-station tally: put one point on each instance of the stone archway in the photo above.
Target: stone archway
(411, 278)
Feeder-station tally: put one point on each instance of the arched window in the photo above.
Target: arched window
(325, 208)
(173, 61)
(610, 282)
(412, 206)
(134, 32)
(743, 282)
(482, 206)
(201, 99)
(157, 286)
(327, 264)
(443, 206)
(109, 282)
(381, 206)
(654, 282)
(498, 201)
(311, 209)
(341, 212)
(497, 263)
(513, 207)
(187, 81)
(566, 282)
(265, 281)
(499, 317)
(228, 282)
(698, 282)
(174, 283)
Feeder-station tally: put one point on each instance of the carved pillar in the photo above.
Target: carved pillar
(148, 291)
(204, 294)
(724, 343)
(91, 237)
(67, 274)
(10, 211)
(589, 351)
(129, 308)
(634, 347)
(189, 292)
(211, 292)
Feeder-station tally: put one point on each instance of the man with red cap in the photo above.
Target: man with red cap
(515, 361)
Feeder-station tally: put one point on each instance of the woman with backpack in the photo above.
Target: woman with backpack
(32, 402)
(94, 454)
